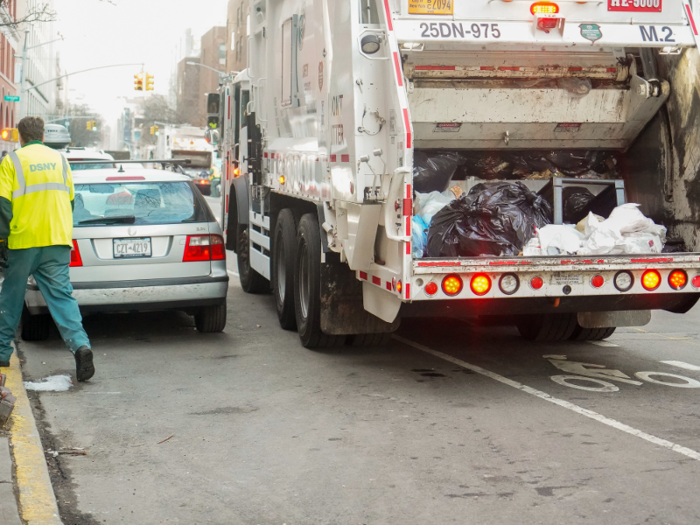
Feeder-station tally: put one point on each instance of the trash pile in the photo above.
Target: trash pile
(626, 231)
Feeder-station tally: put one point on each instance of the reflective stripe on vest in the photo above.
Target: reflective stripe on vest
(48, 186)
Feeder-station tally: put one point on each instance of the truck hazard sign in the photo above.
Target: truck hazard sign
(431, 7)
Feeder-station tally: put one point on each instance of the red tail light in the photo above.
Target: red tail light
(452, 285)
(597, 281)
(651, 280)
(696, 281)
(536, 283)
(678, 279)
(481, 284)
(204, 248)
(75, 259)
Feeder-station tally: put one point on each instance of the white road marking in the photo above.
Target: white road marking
(560, 402)
(604, 385)
(232, 273)
(604, 344)
(681, 364)
(599, 371)
(687, 382)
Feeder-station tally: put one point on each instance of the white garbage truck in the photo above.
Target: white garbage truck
(347, 110)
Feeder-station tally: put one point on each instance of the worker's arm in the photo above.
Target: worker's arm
(7, 175)
(69, 182)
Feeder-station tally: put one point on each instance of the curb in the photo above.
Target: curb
(36, 497)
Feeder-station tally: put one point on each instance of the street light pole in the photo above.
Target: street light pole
(221, 73)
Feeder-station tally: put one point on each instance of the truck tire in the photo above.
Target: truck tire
(284, 245)
(36, 327)
(307, 286)
(547, 327)
(591, 334)
(211, 319)
(251, 281)
(369, 340)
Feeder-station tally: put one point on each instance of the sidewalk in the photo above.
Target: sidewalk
(37, 502)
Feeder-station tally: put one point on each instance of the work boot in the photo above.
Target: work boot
(84, 369)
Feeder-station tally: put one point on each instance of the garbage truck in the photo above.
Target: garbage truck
(345, 108)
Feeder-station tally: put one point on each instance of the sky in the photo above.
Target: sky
(105, 32)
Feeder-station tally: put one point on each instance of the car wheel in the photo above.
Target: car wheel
(307, 286)
(36, 327)
(283, 250)
(547, 327)
(251, 281)
(211, 319)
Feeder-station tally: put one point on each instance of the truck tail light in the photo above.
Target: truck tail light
(544, 8)
(431, 288)
(678, 279)
(696, 281)
(204, 248)
(597, 281)
(536, 283)
(452, 285)
(651, 280)
(75, 258)
(481, 284)
(624, 281)
(509, 283)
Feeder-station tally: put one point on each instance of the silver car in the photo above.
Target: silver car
(143, 240)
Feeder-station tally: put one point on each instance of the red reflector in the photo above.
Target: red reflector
(481, 284)
(597, 281)
(696, 281)
(488, 68)
(678, 279)
(544, 8)
(75, 259)
(452, 285)
(113, 179)
(408, 207)
(612, 70)
(536, 283)
(574, 69)
(651, 280)
(204, 248)
(432, 288)
(547, 23)
(506, 68)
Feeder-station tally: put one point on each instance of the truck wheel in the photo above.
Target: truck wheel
(307, 286)
(591, 334)
(547, 327)
(368, 340)
(251, 281)
(35, 327)
(211, 319)
(283, 249)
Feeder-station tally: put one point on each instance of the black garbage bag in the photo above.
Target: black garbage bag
(433, 171)
(576, 202)
(492, 219)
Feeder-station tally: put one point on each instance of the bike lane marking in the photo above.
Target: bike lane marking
(560, 402)
(681, 364)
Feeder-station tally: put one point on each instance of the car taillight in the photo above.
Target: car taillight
(452, 284)
(536, 283)
(75, 258)
(678, 279)
(651, 280)
(204, 248)
(597, 281)
(481, 284)
(544, 8)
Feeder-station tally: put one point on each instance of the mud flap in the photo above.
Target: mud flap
(614, 319)
(342, 306)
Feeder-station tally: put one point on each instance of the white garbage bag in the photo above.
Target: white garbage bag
(428, 204)
(554, 239)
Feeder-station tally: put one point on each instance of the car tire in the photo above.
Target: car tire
(307, 287)
(283, 250)
(547, 327)
(211, 319)
(591, 334)
(35, 327)
(251, 281)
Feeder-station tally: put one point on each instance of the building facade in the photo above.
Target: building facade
(237, 30)
(9, 42)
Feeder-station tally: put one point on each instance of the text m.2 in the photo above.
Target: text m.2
(650, 34)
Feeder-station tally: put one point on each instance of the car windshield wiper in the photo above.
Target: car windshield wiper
(125, 219)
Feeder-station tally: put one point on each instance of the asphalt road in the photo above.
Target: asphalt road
(453, 422)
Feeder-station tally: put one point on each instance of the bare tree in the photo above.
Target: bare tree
(42, 12)
(81, 136)
(155, 108)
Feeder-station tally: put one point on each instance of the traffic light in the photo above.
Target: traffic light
(154, 130)
(10, 135)
(149, 82)
(88, 125)
(91, 125)
(213, 110)
(138, 82)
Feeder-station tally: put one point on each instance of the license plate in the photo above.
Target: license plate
(566, 278)
(640, 6)
(431, 7)
(132, 248)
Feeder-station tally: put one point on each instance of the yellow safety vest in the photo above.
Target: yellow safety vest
(37, 181)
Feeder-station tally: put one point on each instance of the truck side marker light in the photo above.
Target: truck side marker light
(696, 281)
(399, 286)
(678, 279)
(509, 283)
(623, 281)
(544, 8)
(432, 288)
(452, 285)
(282, 179)
(651, 280)
(481, 284)
(597, 281)
(536, 283)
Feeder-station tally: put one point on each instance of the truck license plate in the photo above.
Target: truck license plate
(431, 7)
(132, 248)
(566, 278)
(640, 6)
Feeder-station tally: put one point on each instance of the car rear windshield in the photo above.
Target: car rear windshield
(81, 167)
(137, 203)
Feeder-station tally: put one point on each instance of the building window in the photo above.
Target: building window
(222, 53)
(233, 41)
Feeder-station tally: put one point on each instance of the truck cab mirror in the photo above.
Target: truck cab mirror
(212, 136)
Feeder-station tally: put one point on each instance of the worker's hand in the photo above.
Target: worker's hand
(3, 253)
